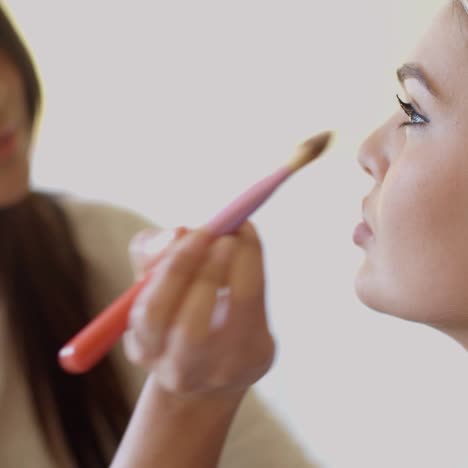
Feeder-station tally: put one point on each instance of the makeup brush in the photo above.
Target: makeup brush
(91, 344)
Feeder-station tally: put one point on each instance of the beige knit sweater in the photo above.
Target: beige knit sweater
(256, 438)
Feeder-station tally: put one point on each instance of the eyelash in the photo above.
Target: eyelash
(411, 113)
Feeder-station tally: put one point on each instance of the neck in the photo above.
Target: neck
(13, 187)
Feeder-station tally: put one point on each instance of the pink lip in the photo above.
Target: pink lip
(362, 233)
(8, 137)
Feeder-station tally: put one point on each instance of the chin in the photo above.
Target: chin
(377, 295)
(380, 297)
(366, 293)
(364, 285)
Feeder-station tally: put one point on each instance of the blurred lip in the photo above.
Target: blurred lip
(7, 140)
(7, 130)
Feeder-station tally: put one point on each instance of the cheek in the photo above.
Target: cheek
(24, 140)
(421, 246)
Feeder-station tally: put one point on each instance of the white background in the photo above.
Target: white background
(172, 108)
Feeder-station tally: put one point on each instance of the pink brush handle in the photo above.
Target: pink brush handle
(94, 341)
(229, 219)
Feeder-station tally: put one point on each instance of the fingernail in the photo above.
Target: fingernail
(180, 232)
(152, 245)
(136, 242)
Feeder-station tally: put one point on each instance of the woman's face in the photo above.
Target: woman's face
(15, 134)
(416, 263)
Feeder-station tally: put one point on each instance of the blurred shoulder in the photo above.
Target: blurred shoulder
(102, 232)
(92, 215)
(101, 227)
(259, 438)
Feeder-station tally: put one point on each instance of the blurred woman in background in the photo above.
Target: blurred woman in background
(62, 260)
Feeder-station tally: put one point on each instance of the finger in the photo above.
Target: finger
(135, 250)
(181, 231)
(157, 303)
(200, 303)
(147, 247)
(246, 276)
(154, 249)
(247, 233)
(134, 349)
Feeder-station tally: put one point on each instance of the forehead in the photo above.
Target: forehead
(442, 51)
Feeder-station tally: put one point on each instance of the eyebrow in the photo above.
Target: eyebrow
(413, 70)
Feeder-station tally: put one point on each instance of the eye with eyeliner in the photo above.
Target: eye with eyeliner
(415, 118)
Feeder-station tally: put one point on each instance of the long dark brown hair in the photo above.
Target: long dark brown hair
(43, 279)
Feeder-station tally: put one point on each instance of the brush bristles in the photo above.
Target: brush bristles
(309, 150)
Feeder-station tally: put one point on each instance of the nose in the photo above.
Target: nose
(374, 153)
